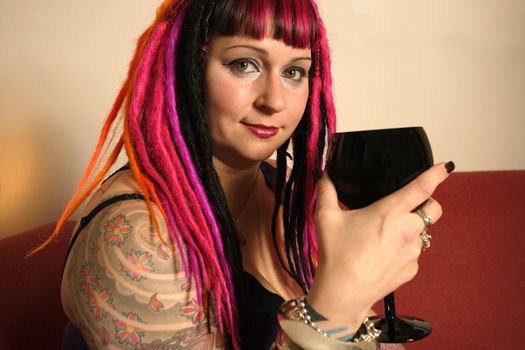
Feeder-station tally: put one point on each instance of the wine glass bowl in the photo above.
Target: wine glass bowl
(366, 166)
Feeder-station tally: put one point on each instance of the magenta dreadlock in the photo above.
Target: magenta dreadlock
(170, 152)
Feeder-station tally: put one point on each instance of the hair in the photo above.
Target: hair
(167, 142)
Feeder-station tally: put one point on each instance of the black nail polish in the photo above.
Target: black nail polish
(450, 166)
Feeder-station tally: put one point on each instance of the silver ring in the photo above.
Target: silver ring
(425, 237)
(426, 218)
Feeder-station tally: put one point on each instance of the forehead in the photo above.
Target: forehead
(267, 47)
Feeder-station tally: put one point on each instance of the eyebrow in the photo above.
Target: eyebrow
(264, 52)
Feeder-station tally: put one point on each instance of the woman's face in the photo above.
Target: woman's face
(255, 95)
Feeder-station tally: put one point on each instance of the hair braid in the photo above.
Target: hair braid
(195, 128)
(195, 131)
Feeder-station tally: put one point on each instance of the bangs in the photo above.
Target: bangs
(292, 21)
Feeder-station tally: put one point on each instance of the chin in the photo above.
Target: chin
(258, 156)
(244, 157)
(264, 153)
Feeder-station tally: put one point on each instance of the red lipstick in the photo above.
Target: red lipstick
(262, 131)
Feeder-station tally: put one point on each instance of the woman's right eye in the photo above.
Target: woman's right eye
(244, 66)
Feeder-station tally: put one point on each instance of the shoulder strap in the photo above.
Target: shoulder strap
(268, 172)
(270, 175)
(87, 219)
(124, 167)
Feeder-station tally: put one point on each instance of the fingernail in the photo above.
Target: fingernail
(450, 166)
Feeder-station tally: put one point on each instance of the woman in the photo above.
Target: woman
(199, 240)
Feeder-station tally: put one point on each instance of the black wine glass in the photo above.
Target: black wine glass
(366, 166)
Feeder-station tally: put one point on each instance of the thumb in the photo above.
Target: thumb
(326, 193)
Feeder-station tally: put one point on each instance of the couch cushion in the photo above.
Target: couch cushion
(30, 308)
(471, 282)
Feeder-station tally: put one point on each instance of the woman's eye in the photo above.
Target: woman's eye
(294, 73)
(244, 66)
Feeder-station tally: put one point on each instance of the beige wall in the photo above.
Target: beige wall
(457, 67)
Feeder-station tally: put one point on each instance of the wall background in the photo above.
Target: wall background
(456, 67)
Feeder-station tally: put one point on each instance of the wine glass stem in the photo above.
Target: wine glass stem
(390, 307)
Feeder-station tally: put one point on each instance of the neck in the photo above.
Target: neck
(237, 183)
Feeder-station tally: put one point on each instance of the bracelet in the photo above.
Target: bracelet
(302, 333)
(302, 313)
(367, 331)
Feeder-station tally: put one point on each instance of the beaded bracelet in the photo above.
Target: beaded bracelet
(302, 312)
(294, 313)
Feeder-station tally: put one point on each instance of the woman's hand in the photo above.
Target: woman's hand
(365, 254)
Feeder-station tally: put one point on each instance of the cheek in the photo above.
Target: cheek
(223, 97)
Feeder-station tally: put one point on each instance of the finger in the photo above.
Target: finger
(420, 189)
(326, 193)
(433, 209)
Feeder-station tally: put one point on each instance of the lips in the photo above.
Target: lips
(262, 131)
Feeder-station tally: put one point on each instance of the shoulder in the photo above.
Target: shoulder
(123, 284)
(120, 238)
(119, 183)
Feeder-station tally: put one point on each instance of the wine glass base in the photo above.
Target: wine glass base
(401, 329)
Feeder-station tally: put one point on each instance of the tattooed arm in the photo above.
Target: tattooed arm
(124, 289)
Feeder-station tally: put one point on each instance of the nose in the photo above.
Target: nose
(271, 98)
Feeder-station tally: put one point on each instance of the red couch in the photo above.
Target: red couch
(471, 284)
(31, 315)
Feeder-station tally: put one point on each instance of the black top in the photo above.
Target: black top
(257, 308)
